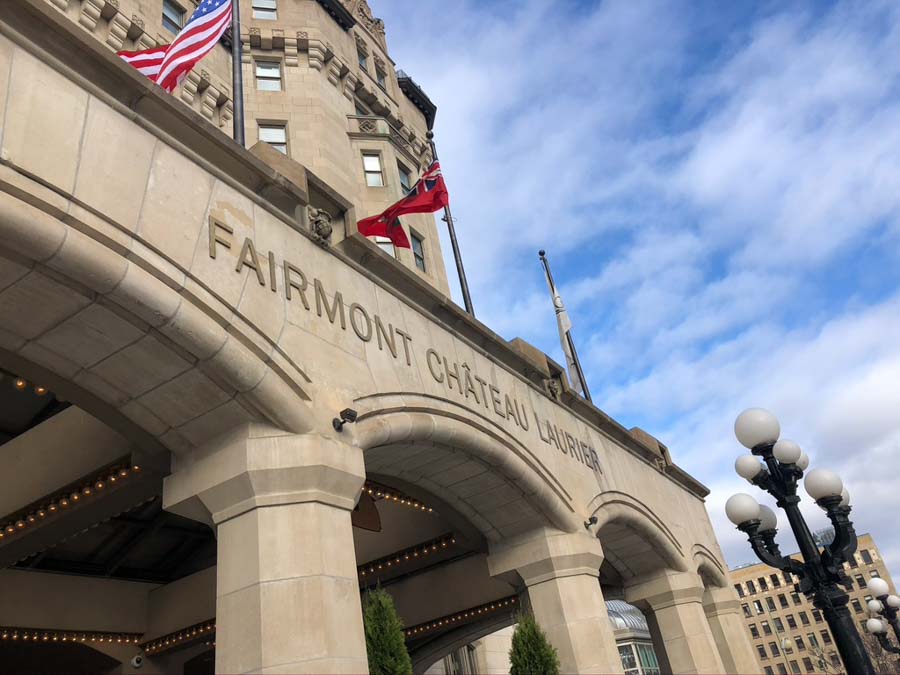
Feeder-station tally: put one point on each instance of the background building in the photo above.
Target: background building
(789, 635)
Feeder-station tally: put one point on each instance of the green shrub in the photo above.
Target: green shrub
(531, 652)
(385, 645)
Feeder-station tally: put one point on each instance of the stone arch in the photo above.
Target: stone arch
(425, 655)
(428, 445)
(635, 541)
(708, 566)
(95, 300)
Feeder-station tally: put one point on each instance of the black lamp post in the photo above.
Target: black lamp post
(821, 573)
(887, 606)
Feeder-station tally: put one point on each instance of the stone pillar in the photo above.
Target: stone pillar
(675, 600)
(560, 572)
(287, 597)
(723, 612)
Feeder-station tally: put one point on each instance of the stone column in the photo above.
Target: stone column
(723, 612)
(560, 572)
(675, 600)
(287, 597)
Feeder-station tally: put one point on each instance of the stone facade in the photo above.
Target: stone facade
(167, 286)
(788, 634)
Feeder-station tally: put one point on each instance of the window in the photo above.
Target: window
(173, 16)
(773, 649)
(867, 598)
(776, 581)
(787, 578)
(418, 249)
(779, 626)
(770, 603)
(792, 623)
(265, 9)
(629, 660)
(646, 656)
(796, 598)
(813, 640)
(769, 671)
(800, 645)
(781, 669)
(757, 605)
(275, 135)
(386, 245)
(874, 574)
(817, 615)
(754, 631)
(782, 600)
(766, 628)
(751, 587)
(268, 75)
(762, 651)
(866, 556)
(372, 168)
(406, 184)
(746, 608)
(738, 587)
(795, 667)
(807, 663)
(835, 660)
(853, 563)
(856, 606)
(362, 58)
(826, 637)
(804, 619)
(861, 580)
(763, 584)
(379, 77)
(850, 583)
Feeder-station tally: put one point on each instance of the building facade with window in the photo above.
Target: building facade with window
(789, 635)
(225, 415)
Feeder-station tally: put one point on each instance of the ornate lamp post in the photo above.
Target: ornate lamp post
(821, 572)
(888, 606)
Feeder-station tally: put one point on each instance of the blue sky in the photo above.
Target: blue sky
(717, 188)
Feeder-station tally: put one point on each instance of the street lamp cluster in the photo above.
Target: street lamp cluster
(886, 606)
(821, 571)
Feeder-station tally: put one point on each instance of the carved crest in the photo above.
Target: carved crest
(320, 224)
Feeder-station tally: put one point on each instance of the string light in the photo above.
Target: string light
(32, 514)
(53, 635)
(404, 555)
(203, 630)
(377, 491)
(39, 390)
(464, 616)
(19, 383)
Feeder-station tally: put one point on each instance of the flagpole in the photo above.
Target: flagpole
(463, 284)
(237, 80)
(569, 341)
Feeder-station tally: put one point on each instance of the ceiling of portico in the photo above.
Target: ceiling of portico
(480, 493)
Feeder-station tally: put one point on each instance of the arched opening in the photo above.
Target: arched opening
(459, 486)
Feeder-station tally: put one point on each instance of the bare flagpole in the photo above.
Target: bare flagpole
(569, 341)
(237, 81)
(463, 284)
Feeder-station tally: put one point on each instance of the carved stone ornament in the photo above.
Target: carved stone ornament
(553, 388)
(320, 224)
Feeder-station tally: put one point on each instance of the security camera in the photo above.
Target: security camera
(347, 415)
(137, 660)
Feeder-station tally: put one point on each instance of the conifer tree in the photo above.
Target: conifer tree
(531, 651)
(385, 645)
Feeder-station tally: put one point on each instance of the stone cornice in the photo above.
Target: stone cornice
(418, 97)
(339, 13)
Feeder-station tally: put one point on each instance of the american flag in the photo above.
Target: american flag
(168, 65)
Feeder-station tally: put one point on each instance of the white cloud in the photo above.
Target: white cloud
(719, 197)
